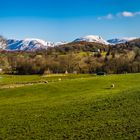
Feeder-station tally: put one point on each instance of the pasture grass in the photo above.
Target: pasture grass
(82, 107)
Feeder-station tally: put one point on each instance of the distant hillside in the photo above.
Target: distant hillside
(86, 43)
(128, 45)
(93, 47)
(78, 47)
(75, 57)
(120, 40)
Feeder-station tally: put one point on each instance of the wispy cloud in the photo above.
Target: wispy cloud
(120, 14)
(109, 16)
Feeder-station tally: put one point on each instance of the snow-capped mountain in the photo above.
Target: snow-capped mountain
(120, 40)
(92, 38)
(60, 43)
(31, 44)
(27, 44)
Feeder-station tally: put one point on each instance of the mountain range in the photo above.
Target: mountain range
(31, 44)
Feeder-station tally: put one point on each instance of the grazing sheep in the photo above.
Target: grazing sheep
(59, 79)
(46, 82)
(112, 85)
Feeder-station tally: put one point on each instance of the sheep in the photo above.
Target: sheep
(112, 85)
(59, 79)
(46, 82)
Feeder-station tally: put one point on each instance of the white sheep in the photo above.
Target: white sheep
(112, 85)
(59, 79)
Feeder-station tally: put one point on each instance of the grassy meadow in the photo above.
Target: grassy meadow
(71, 107)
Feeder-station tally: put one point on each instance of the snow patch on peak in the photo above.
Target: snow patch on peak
(60, 43)
(35, 39)
(121, 40)
(27, 44)
(92, 38)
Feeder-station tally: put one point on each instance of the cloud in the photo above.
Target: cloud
(120, 14)
(128, 14)
(109, 16)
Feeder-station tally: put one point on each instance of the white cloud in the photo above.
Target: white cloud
(128, 14)
(109, 16)
(121, 14)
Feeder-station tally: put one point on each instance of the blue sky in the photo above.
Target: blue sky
(57, 20)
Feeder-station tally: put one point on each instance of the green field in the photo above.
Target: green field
(75, 107)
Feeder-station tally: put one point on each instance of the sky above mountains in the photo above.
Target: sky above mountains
(65, 20)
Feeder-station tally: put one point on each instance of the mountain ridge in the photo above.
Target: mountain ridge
(92, 38)
(31, 44)
(120, 40)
